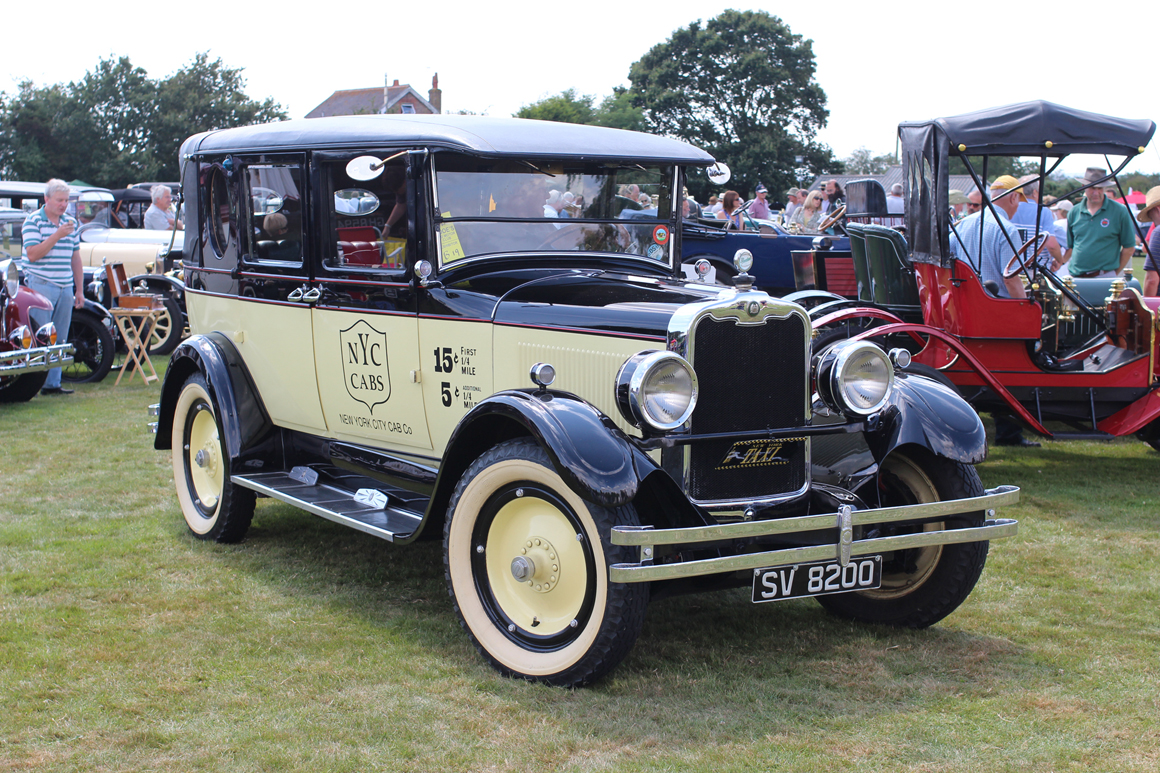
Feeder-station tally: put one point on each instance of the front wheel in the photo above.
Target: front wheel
(920, 586)
(527, 561)
(214, 507)
(19, 389)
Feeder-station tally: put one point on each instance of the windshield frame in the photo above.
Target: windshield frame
(674, 178)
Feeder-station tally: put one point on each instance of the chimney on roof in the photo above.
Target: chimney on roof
(435, 96)
(395, 84)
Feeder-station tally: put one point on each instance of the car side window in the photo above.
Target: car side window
(369, 219)
(274, 212)
(219, 211)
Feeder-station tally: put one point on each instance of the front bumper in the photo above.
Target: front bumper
(21, 361)
(846, 547)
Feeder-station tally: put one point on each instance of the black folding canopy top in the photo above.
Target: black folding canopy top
(1038, 128)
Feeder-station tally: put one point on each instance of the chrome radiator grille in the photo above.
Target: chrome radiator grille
(750, 377)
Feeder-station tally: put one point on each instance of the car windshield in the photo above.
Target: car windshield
(488, 206)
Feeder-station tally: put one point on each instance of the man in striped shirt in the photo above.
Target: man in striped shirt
(52, 265)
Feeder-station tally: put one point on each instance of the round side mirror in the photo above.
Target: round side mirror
(363, 168)
(719, 173)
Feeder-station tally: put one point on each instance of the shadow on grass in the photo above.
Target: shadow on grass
(703, 665)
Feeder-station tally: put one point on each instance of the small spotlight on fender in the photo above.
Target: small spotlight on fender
(900, 357)
(702, 267)
(542, 374)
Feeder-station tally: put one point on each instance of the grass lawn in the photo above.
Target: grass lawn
(128, 645)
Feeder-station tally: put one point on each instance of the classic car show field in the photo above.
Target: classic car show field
(127, 644)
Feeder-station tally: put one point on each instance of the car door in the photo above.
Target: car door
(271, 319)
(365, 320)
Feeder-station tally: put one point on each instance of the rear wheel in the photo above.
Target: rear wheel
(92, 349)
(920, 586)
(214, 508)
(1151, 434)
(527, 560)
(168, 330)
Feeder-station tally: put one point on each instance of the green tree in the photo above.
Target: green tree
(116, 126)
(616, 110)
(742, 87)
(619, 112)
(565, 107)
(861, 162)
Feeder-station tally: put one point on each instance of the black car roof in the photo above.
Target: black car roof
(481, 135)
(1025, 129)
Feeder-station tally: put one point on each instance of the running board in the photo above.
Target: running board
(367, 510)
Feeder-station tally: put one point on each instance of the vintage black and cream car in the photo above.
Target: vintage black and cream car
(479, 328)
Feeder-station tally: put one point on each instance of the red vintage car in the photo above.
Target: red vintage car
(1083, 353)
(26, 355)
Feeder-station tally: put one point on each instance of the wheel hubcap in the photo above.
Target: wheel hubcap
(536, 568)
(206, 472)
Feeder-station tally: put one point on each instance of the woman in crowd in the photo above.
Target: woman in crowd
(809, 215)
(731, 209)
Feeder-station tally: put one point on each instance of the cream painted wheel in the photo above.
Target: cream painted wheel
(213, 507)
(923, 585)
(527, 566)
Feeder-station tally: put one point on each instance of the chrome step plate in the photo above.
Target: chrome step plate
(334, 504)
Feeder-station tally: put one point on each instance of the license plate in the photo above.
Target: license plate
(817, 579)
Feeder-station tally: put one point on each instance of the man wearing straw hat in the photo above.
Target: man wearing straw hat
(1151, 214)
(1100, 234)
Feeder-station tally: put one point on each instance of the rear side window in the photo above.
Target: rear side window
(274, 213)
(220, 212)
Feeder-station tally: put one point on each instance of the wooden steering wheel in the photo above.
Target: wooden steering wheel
(832, 218)
(1019, 260)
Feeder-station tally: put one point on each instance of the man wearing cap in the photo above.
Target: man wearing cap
(957, 200)
(989, 248)
(792, 202)
(1151, 214)
(758, 206)
(1100, 234)
(1060, 209)
(894, 204)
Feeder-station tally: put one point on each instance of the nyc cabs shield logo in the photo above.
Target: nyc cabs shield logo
(364, 364)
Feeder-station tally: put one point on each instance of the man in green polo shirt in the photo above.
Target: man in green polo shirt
(1100, 234)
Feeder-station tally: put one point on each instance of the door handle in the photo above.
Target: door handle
(312, 295)
(295, 294)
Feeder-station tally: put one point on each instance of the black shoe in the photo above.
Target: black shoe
(56, 391)
(1018, 443)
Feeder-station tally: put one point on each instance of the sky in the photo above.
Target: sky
(879, 63)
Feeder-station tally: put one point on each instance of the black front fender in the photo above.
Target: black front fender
(243, 418)
(926, 413)
(589, 452)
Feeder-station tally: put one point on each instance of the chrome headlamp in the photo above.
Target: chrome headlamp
(11, 278)
(46, 335)
(854, 377)
(20, 337)
(656, 390)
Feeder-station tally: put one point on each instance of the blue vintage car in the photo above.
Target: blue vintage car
(772, 247)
